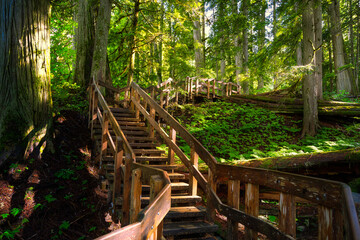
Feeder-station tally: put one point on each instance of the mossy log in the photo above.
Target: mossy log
(295, 105)
(307, 161)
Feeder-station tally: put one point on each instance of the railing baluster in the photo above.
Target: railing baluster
(137, 98)
(156, 184)
(251, 207)
(135, 203)
(194, 159)
(126, 193)
(213, 88)
(191, 91)
(325, 219)
(233, 201)
(151, 128)
(104, 133)
(171, 156)
(91, 95)
(197, 87)
(287, 217)
(118, 162)
(94, 113)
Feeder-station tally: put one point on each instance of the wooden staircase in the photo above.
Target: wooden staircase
(186, 218)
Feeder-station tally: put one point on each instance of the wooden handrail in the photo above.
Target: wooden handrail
(330, 194)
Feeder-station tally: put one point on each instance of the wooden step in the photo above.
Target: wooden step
(177, 200)
(179, 186)
(165, 167)
(186, 228)
(148, 151)
(176, 176)
(151, 159)
(186, 212)
(134, 133)
(121, 115)
(134, 128)
(127, 119)
(120, 110)
(124, 123)
(144, 145)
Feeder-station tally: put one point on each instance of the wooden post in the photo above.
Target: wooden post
(161, 99)
(251, 207)
(167, 98)
(233, 201)
(208, 89)
(127, 189)
(151, 128)
(118, 162)
(132, 94)
(191, 84)
(171, 156)
(227, 89)
(197, 87)
(104, 136)
(194, 158)
(325, 220)
(287, 217)
(153, 93)
(212, 185)
(137, 99)
(176, 97)
(213, 88)
(156, 184)
(135, 203)
(338, 224)
(94, 113)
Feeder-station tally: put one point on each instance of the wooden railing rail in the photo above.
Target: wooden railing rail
(333, 198)
(210, 87)
(147, 223)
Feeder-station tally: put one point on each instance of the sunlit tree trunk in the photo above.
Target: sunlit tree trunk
(261, 42)
(101, 38)
(310, 117)
(84, 36)
(132, 41)
(198, 48)
(245, 42)
(237, 42)
(298, 47)
(318, 48)
(343, 81)
(25, 95)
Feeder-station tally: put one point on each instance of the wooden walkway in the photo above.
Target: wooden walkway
(154, 200)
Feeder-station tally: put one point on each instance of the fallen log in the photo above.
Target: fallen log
(295, 105)
(305, 162)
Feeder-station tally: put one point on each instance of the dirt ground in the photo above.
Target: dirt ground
(58, 196)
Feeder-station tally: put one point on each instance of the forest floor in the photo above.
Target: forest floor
(58, 196)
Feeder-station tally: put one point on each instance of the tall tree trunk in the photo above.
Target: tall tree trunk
(351, 36)
(203, 12)
(298, 47)
(262, 42)
(25, 94)
(198, 48)
(357, 49)
(245, 84)
(318, 49)
(343, 81)
(101, 39)
(132, 41)
(84, 36)
(310, 118)
(237, 42)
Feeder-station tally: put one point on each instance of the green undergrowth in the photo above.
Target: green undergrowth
(239, 132)
(68, 96)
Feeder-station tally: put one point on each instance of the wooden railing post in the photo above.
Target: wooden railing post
(233, 201)
(251, 207)
(118, 162)
(151, 128)
(137, 98)
(208, 89)
(194, 159)
(135, 203)
(104, 136)
(211, 185)
(162, 99)
(127, 189)
(156, 184)
(132, 106)
(287, 217)
(197, 87)
(94, 113)
(213, 88)
(191, 86)
(325, 220)
(167, 98)
(171, 156)
(227, 90)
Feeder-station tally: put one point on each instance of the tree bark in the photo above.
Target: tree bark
(343, 82)
(318, 49)
(198, 48)
(310, 115)
(25, 94)
(132, 41)
(245, 84)
(261, 42)
(237, 42)
(101, 40)
(84, 36)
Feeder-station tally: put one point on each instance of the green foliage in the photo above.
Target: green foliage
(68, 96)
(234, 132)
(64, 173)
(49, 198)
(15, 211)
